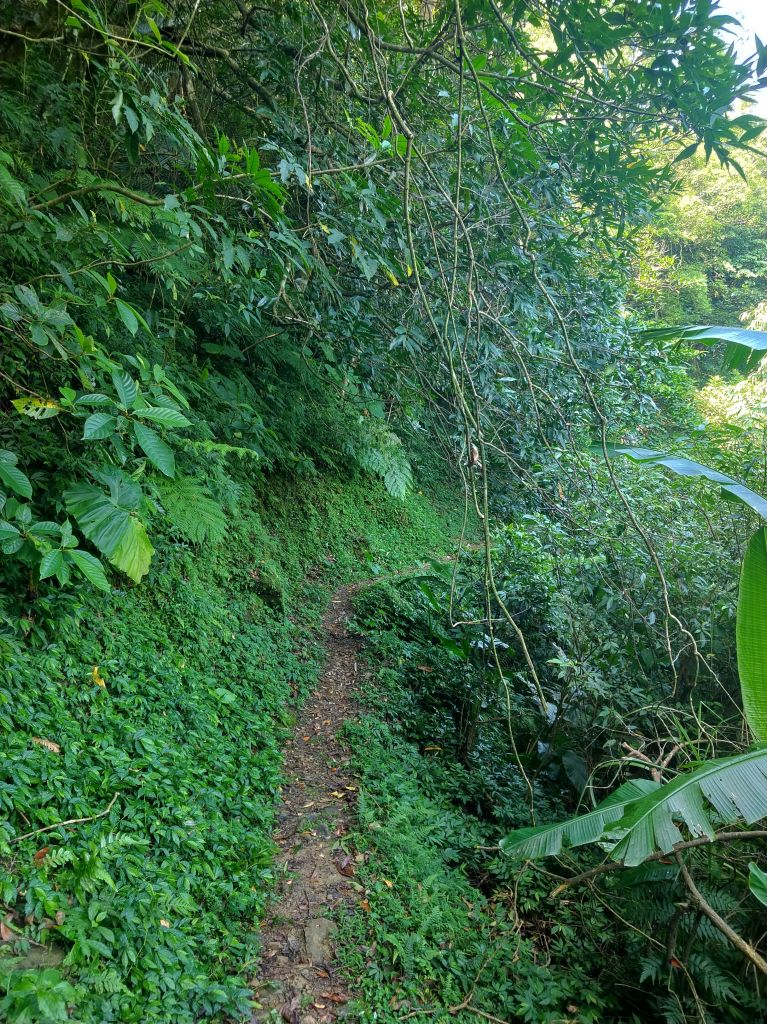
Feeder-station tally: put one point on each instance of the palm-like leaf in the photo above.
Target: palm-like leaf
(734, 788)
(548, 840)
(745, 349)
(731, 489)
(751, 633)
(640, 818)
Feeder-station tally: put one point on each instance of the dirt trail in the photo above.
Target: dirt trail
(298, 976)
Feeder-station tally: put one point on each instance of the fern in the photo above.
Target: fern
(223, 449)
(382, 454)
(58, 857)
(192, 512)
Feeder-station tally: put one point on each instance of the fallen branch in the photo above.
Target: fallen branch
(601, 869)
(699, 901)
(69, 821)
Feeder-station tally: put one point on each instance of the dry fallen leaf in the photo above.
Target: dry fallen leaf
(289, 1011)
(48, 744)
(387, 883)
(338, 794)
(6, 933)
(164, 923)
(424, 668)
(41, 854)
(346, 868)
(333, 998)
(365, 904)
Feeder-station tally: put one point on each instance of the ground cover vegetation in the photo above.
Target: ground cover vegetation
(268, 273)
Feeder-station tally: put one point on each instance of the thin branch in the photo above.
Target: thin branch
(144, 200)
(700, 902)
(691, 844)
(69, 821)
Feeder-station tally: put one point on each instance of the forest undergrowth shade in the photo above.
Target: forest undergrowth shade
(166, 708)
(268, 274)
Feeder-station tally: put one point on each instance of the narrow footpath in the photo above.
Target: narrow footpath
(299, 976)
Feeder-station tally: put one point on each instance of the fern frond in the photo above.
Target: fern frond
(382, 454)
(192, 512)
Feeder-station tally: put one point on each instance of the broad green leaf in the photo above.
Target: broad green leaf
(126, 388)
(90, 567)
(98, 426)
(730, 488)
(549, 840)
(165, 417)
(8, 531)
(45, 528)
(155, 449)
(751, 634)
(731, 789)
(51, 563)
(757, 882)
(745, 348)
(127, 314)
(12, 476)
(110, 522)
(94, 399)
(227, 251)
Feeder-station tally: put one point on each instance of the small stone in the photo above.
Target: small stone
(318, 935)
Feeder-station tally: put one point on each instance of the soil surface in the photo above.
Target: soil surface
(298, 980)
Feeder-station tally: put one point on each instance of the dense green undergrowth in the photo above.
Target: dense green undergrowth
(255, 258)
(446, 924)
(166, 706)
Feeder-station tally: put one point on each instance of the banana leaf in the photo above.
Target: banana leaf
(745, 349)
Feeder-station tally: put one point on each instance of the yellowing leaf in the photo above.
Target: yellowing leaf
(97, 678)
(36, 408)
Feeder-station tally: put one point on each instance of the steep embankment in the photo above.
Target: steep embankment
(168, 704)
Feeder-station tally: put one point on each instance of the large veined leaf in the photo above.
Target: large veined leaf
(155, 449)
(12, 477)
(110, 522)
(751, 633)
(745, 349)
(126, 388)
(731, 489)
(165, 417)
(98, 426)
(548, 840)
(90, 567)
(757, 883)
(733, 788)
(640, 818)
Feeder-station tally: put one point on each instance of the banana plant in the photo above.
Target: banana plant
(744, 350)
(639, 821)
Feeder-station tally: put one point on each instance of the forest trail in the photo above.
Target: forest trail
(298, 975)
